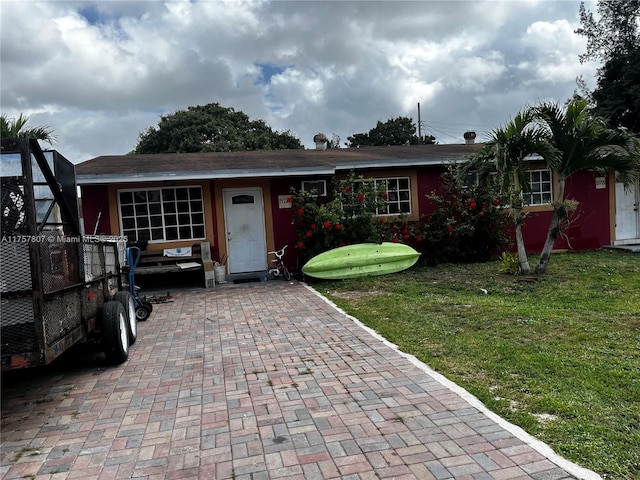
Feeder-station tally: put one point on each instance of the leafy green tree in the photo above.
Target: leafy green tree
(615, 32)
(502, 162)
(617, 96)
(582, 142)
(395, 131)
(212, 128)
(16, 127)
(614, 38)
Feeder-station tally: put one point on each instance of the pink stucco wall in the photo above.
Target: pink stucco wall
(590, 223)
(590, 228)
(95, 200)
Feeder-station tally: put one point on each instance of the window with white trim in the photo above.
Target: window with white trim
(541, 188)
(162, 214)
(397, 192)
(317, 188)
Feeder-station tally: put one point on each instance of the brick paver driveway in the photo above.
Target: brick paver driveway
(257, 381)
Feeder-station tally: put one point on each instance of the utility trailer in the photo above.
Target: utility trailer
(57, 287)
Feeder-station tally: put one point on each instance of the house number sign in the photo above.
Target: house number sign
(284, 201)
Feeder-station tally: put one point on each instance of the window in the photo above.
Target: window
(317, 188)
(162, 214)
(398, 192)
(398, 195)
(470, 180)
(541, 192)
(242, 199)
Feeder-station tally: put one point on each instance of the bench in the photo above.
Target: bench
(170, 261)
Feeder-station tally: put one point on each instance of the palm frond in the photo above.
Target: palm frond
(584, 142)
(13, 128)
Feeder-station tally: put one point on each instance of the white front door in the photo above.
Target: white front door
(627, 213)
(244, 224)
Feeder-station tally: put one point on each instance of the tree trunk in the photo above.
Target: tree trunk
(525, 269)
(554, 231)
(559, 213)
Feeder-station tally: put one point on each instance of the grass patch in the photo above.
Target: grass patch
(557, 355)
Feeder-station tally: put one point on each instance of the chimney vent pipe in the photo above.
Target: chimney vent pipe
(469, 137)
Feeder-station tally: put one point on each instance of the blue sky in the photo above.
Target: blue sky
(99, 73)
(268, 70)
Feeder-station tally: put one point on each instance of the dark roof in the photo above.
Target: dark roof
(263, 163)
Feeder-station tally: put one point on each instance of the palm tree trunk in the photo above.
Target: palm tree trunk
(525, 269)
(552, 235)
(559, 214)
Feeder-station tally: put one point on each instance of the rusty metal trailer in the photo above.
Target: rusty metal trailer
(57, 286)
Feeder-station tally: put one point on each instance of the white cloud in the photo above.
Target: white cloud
(556, 47)
(99, 73)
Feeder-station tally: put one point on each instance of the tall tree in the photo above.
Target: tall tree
(212, 128)
(617, 96)
(503, 160)
(615, 32)
(582, 142)
(395, 131)
(613, 36)
(16, 127)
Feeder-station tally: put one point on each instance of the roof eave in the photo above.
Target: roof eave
(402, 162)
(96, 179)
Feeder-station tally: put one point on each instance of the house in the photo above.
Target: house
(240, 201)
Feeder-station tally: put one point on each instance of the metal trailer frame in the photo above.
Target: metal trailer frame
(54, 282)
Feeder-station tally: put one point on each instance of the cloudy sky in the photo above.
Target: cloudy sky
(99, 73)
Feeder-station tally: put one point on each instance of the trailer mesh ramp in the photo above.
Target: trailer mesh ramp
(17, 325)
(59, 261)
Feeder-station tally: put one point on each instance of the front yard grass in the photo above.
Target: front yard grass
(557, 355)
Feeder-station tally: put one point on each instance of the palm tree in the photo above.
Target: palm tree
(503, 160)
(13, 128)
(582, 142)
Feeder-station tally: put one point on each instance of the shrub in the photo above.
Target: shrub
(348, 217)
(509, 263)
(468, 223)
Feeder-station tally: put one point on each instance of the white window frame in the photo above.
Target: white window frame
(307, 187)
(403, 196)
(176, 219)
(541, 187)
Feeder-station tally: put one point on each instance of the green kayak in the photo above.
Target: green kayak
(361, 260)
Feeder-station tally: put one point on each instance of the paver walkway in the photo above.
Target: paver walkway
(256, 381)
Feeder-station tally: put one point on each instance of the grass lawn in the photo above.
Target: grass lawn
(558, 355)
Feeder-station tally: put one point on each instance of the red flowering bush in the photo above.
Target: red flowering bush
(466, 225)
(323, 223)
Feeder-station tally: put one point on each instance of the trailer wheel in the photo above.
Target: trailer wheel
(143, 311)
(129, 305)
(115, 334)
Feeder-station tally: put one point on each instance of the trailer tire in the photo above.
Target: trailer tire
(129, 305)
(143, 311)
(115, 334)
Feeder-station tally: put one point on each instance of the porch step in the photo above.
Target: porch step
(628, 248)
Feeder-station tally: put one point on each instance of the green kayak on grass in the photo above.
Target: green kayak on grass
(361, 260)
